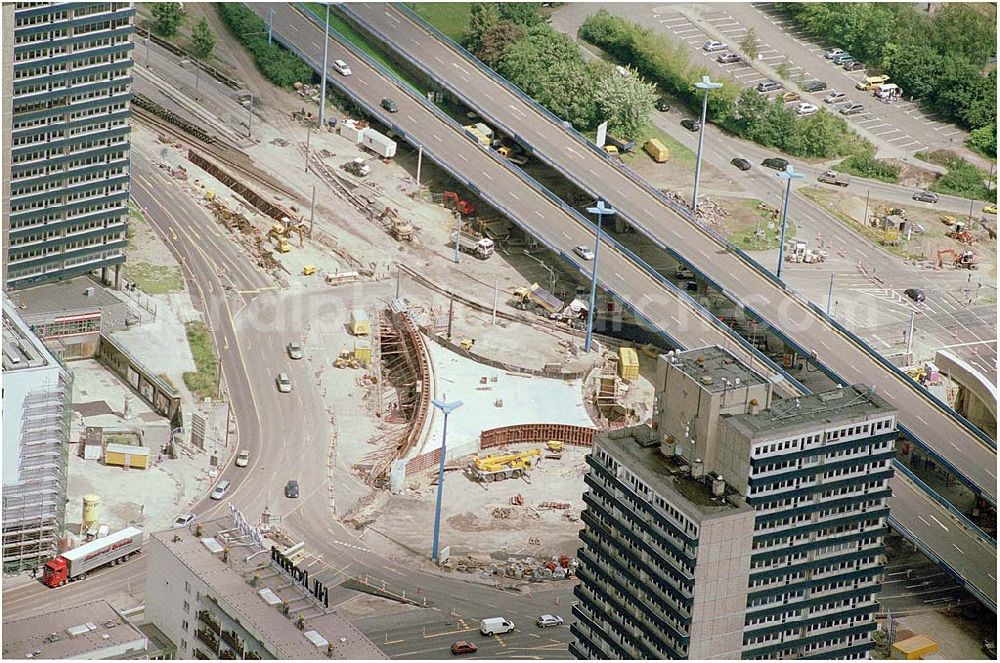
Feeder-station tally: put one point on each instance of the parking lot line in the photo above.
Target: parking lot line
(903, 137)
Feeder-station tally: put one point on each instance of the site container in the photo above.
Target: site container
(628, 363)
(361, 324)
(378, 143)
(657, 150)
(914, 648)
(125, 455)
(350, 130)
(363, 351)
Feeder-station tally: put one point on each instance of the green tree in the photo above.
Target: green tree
(522, 13)
(984, 140)
(203, 39)
(965, 31)
(167, 17)
(817, 135)
(963, 179)
(625, 102)
(749, 45)
(782, 69)
(915, 69)
(483, 17)
(493, 42)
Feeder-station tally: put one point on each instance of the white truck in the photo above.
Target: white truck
(379, 143)
(835, 178)
(75, 564)
(481, 247)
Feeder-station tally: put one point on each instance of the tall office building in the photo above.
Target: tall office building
(37, 392)
(66, 139)
(812, 473)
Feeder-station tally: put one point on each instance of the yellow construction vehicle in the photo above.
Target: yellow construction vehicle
(506, 466)
(467, 343)
(346, 359)
(283, 246)
(554, 446)
(948, 220)
(308, 270)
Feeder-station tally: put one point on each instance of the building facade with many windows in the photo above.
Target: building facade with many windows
(68, 139)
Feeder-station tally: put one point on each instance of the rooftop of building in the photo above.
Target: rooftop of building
(22, 349)
(817, 410)
(62, 297)
(715, 368)
(230, 582)
(79, 631)
(638, 448)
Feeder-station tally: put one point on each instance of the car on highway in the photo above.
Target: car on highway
(220, 490)
(284, 383)
(852, 108)
(775, 162)
(805, 108)
(925, 196)
(295, 350)
(292, 489)
(833, 52)
(814, 86)
(691, 125)
(834, 97)
(741, 163)
(545, 621)
(768, 86)
(713, 46)
(390, 105)
(341, 67)
(184, 521)
(584, 252)
(464, 647)
(728, 57)
(842, 58)
(243, 458)
(662, 105)
(990, 209)
(854, 65)
(916, 294)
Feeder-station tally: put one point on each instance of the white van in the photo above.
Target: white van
(495, 625)
(342, 67)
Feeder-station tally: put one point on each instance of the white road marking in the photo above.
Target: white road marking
(620, 277)
(488, 176)
(539, 214)
(514, 196)
(464, 158)
(924, 521)
(958, 549)
(939, 523)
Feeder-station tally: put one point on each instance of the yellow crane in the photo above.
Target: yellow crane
(506, 466)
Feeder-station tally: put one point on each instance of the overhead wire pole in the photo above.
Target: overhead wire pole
(326, 52)
(788, 174)
(705, 84)
(600, 210)
(446, 408)
(829, 294)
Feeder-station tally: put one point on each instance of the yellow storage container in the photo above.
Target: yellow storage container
(125, 455)
(628, 363)
(914, 648)
(657, 150)
(363, 352)
(361, 324)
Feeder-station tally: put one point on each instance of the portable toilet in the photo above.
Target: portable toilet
(361, 324)
(628, 364)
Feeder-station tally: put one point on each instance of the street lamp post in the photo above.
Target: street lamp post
(270, 25)
(788, 174)
(600, 210)
(705, 84)
(326, 51)
(446, 408)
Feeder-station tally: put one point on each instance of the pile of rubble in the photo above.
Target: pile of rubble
(521, 568)
(709, 212)
(307, 91)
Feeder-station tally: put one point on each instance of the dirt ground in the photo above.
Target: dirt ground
(959, 639)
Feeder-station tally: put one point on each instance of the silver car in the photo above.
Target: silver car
(545, 621)
(284, 383)
(295, 350)
(713, 46)
(584, 252)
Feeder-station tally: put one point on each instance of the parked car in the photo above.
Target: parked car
(833, 52)
(185, 520)
(852, 108)
(713, 46)
(390, 105)
(916, 294)
(243, 458)
(464, 647)
(284, 383)
(728, 58)
(990, 209)
(814, 86)
(834, 97)
(292, 489)
(842, 58)
(854, 65)
(220, 490)
(544, 621)
(662, 105)
(768, 86)
(789, 97)
(775, 162)
(584, 252)
(741, 163)
(925, 196)
(691, 125)
(341, 68)
(295, 350)
(806, 108)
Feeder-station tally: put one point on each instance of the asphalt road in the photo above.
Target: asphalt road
(928, 421)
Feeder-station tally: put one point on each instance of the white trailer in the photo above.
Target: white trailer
(378, 143)
(353, 131)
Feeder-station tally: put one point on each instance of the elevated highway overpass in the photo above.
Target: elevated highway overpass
(560, 228)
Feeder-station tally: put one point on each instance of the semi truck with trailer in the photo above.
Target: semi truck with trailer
(75, 564)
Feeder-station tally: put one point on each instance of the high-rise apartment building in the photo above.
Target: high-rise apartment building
(66, 138)
(37, 393)
(769, 513)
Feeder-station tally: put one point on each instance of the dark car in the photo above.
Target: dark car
(925, 197)
(691, 125)
(814, 86)
(463, 647)
(916, 294)
(292, 489)
(775, 162)
(741, 163)
(662, 105)
(852, 108)
(854, 65)
(728, 58)
(390, 105)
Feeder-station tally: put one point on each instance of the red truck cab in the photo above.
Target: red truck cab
(56, 572)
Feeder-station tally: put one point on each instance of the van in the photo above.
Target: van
(495, 625)
(868, 82)
(342, 67)
(220, 491)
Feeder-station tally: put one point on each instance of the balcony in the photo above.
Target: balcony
(209, 639)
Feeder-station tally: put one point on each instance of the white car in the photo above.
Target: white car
(713, 46)
(243, 458)
(342, 67)
(545, 621)
(220, 491)
(834, 97)
(295, 350)
(806, 108)
(833, 52)
(184, 521)
(284, 383)
(583, 252)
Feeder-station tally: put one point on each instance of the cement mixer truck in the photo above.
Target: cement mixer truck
(75, 564)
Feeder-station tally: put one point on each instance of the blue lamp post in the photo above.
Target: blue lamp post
(600, 210)
(326, 51)
(788, 174)
(446, 408)
(707, 85)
